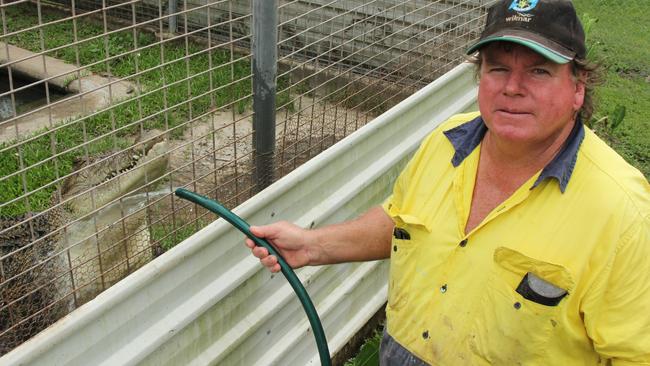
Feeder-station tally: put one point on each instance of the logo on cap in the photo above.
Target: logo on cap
(523, 5)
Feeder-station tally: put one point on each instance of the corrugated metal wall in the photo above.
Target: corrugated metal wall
(208, 301)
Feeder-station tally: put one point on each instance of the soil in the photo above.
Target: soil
(215, 155)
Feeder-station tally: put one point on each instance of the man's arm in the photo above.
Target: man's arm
(366, 238)
(615, 310)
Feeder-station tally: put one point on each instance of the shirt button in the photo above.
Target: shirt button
(463, 243)
(443, 288)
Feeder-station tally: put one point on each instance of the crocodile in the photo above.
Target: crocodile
(95, 234)
(26, 287)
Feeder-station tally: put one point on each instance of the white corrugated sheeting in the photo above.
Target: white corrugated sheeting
(208, 301)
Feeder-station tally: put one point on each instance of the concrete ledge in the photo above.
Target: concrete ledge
(39, 67)
(88, 92)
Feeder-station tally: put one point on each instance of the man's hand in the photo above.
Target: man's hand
(292, 242)
(365, 238)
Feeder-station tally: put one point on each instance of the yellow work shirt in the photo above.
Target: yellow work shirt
(453, 298)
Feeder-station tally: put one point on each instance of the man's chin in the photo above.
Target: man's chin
(515, 134)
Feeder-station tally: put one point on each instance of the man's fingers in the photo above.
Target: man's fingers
(260, 252)
(249, 243)
(269, 231)
(280, 232)
(270, 261)
(259, 231)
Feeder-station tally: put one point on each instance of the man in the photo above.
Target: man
(516, 236)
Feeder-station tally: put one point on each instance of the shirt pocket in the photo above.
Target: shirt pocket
(508, 327)
(406, 234)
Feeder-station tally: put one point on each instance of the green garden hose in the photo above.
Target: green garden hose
(289, 274)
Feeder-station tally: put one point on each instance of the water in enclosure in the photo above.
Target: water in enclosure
(27, 97)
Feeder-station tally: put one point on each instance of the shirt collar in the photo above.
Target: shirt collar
(466, 137)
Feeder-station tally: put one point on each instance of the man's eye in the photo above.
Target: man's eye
(539, 71)
(498, 69)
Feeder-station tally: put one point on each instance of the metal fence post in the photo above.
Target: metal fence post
(264, 50)
(173, 23)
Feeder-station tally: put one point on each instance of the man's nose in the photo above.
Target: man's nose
(514, 84)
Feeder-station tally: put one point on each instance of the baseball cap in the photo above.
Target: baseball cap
(548, 27)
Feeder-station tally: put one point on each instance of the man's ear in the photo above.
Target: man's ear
(579, 96)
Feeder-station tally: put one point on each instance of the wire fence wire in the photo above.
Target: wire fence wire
(107, 106)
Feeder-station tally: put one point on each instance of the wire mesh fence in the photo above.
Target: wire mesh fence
(107, 106)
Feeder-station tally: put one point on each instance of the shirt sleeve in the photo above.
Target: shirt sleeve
(617, 310)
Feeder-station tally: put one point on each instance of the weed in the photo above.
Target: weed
(369, 352)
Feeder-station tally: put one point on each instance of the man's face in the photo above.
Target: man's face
(525, 98)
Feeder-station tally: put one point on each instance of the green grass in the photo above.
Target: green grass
(620, 41)
(167, 236)
(176, 66)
